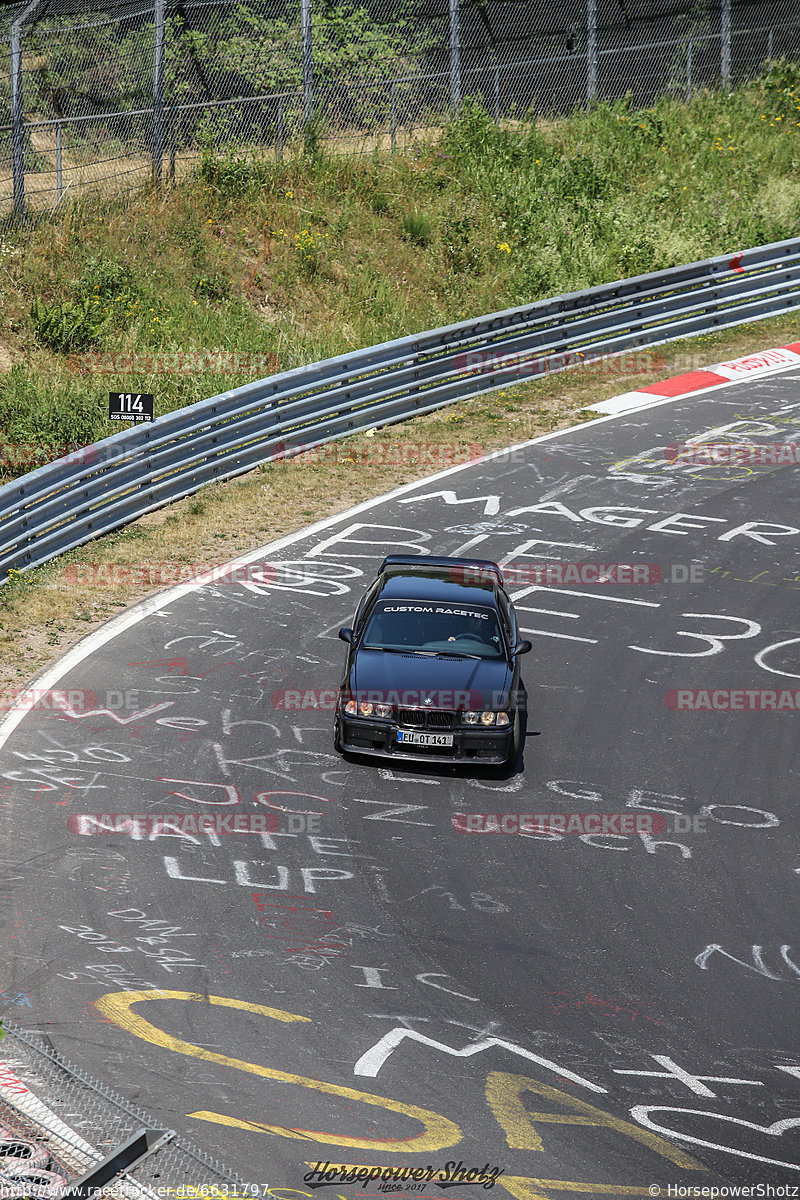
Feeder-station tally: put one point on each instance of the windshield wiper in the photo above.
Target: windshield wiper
(398, 650)
(456, 654)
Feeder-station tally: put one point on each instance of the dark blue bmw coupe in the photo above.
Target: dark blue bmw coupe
(432, 668)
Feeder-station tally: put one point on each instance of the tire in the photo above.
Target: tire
(516, 741)
(337, 737)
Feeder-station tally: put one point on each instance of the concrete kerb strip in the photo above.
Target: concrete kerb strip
(627, 403)
(751, 366)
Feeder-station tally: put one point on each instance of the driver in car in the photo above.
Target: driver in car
(473, 629)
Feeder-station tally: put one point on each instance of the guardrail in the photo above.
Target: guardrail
(68, 502)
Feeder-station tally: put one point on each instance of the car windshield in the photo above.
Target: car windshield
(442, 628)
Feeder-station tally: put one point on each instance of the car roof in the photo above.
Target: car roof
(435, 583)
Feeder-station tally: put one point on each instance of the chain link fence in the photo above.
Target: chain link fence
(56, 1123)
(110, 97)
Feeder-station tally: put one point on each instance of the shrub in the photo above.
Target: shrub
(307, 246)
(781, 84)
(69, 325)
(418, 228)
(107, 278)
(230, 174)
(212, 287)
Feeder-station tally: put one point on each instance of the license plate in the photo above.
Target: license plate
(424, 739)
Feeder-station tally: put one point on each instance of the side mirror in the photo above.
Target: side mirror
(522, 647)
(346, 634)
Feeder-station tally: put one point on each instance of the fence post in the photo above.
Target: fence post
(173, 144)
(725, 34)
(497, 95)
(308, 63)
(17, 127)
(688, 72)
(769, 49)
(455, 57)
(280, 128)
(393, 118)
(158, 88)
(59, 173)
(591, 51)
(29, 13)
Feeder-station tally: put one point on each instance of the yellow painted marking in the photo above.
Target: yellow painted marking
(504, 1095)
(523, 1188)
(438, 1131)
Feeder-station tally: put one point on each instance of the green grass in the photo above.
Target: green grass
(321, 254)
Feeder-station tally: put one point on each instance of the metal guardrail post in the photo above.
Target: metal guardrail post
(591, 51)
(725, 36)
(132, 1151)
(455, 56)
(308, 63)
(59, 164)
(158, 88)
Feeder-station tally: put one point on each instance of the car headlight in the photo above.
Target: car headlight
(365, 708)
(500, 719)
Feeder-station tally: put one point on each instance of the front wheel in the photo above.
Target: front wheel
(516, 741)
(337, 737)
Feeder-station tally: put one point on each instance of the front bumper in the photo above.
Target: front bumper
(360, 735)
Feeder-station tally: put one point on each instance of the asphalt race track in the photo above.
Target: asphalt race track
(591, 1014)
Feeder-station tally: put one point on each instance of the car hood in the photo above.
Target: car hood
(410, 679)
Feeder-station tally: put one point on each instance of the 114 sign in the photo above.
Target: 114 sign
(130, 406)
